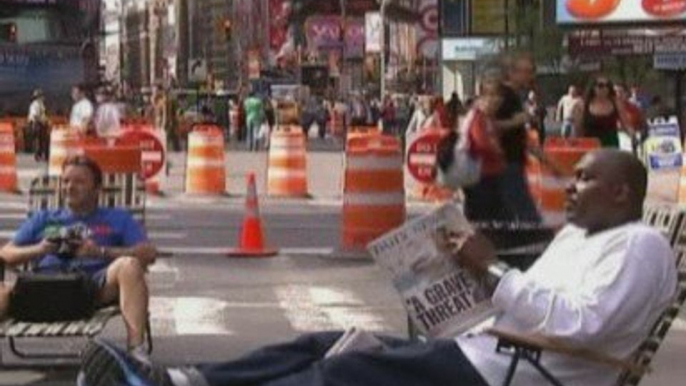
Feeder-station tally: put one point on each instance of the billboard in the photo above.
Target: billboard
(620, 11)
(488, 17)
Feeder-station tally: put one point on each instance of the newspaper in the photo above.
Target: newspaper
(441, 299)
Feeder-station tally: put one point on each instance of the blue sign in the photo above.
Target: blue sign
(664, 128)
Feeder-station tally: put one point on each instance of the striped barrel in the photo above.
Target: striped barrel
(373, 192)
(287, 169)
(362, 131)
(205, 171)
(564, 153)
(8, 159)
(64, 143)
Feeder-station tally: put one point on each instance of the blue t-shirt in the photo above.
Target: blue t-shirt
(107, 227)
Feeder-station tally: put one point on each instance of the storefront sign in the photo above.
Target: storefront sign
(620, 11)
(600, 43)
(469, 48)
(372, 30)
(675, 61)
(324, 32)
(427, 29)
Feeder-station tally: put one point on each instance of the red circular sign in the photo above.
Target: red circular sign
(429, 18)
(421, 156)
(152, 151)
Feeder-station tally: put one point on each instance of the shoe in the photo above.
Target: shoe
(103, 364)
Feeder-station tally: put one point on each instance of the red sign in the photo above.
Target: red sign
(664, 8)
(421, 156)
(152, 151)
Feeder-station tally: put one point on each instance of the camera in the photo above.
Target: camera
(68, 240)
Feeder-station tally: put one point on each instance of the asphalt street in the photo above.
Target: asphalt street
(207, 307)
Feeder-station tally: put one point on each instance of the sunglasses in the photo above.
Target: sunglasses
(602, 84)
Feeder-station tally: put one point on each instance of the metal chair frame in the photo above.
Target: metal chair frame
(118, 190)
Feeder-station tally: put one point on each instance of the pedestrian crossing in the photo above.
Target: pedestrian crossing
(298, 307)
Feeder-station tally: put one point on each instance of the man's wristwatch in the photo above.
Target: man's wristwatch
(498, 269)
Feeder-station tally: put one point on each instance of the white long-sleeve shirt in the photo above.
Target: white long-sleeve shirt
(81, 115)
(603, 292)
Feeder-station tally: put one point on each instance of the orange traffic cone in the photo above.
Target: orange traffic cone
(251, 242)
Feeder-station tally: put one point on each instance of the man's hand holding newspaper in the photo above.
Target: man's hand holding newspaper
(472, 251)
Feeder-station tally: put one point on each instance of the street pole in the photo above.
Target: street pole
(382, 61)
(343, 67)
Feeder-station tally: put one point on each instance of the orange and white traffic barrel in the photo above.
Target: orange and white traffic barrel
(64, 143)
(287, 170)
(373, 192)
(8, 159)
(564, 153)
(205, 170)
(362, 131)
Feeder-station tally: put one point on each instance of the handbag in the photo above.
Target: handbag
(457, 167)
(50, 297)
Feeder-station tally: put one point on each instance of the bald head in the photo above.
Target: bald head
(620, 167)
(607, 191)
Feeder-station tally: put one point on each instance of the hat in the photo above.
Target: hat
(37, 93)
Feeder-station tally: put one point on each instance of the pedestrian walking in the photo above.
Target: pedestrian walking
(254, 115)
(565, 110)
(38, 128)
(538, 113)
(107, 116)
(601, 113)
(81, 116)
(511, 123)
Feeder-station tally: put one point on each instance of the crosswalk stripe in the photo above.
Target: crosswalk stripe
(173, 316)
(317, 308)
(222, 250)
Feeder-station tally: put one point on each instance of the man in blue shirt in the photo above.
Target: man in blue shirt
(114, 250)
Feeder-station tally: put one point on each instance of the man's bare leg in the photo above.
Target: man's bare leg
(126, 280)
(4, 300)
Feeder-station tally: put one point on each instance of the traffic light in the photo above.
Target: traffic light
(228, 29)
(8, 32)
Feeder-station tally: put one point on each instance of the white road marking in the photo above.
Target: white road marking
(12, 216)
(224, 250)
(20, 377)
(21, 205)
(679, 324)
(188, 316)
(316, 308)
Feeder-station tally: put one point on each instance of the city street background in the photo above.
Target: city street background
(208, 307)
